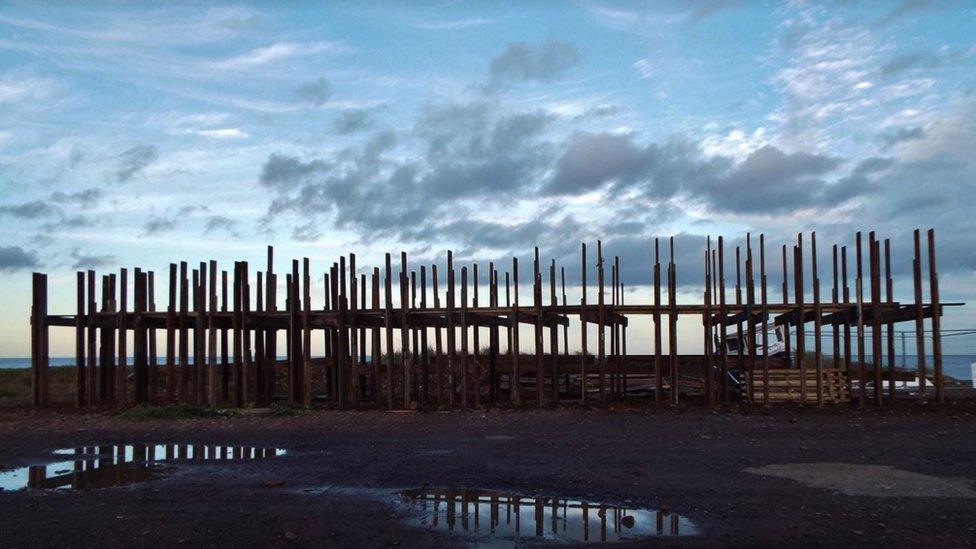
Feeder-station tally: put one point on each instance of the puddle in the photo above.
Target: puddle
(503, 518)
(117, 465)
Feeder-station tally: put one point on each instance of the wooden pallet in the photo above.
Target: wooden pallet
(784, 385)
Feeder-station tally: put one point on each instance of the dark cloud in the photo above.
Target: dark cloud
(67, 222)
(706, 8)
(771, 181)
(91, 261)
(901, 63)
(134, 161)
(600, 111)
(353, 121)
(85, 198)
(35, 209)
(315, 92)
(908, 7)
(768, 180)
(159, 225)
(285, 172)
(533, 62)
(15, 258)
(900, 135)
(221, 223)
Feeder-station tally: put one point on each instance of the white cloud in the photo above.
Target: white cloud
(456, 24)
(274, 52)
(224, 133)
(644, 67)
(16, 90)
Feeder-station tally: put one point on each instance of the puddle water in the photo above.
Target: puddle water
(117, 465)
(506, 518)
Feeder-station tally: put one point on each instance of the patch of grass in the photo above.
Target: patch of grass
(287, 410)
(179, 411)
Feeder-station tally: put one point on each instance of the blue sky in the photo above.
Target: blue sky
(133, 135)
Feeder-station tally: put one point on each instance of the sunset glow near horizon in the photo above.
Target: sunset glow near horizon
(136, 136)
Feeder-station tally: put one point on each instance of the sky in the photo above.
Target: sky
(139, 134)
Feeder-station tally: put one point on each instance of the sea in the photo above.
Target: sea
(957, 366)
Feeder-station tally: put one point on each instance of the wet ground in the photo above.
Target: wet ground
(672, 476)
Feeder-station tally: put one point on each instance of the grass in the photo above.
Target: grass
(175, 412)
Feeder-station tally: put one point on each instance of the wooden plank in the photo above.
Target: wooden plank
(184, 373)
(92, 355)
(405, 333)
(40, 382)
(80, 356)
(817, 319)
(584, 353)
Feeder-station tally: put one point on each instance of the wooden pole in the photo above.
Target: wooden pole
(40, 383)
(936, 321)
(919, 317)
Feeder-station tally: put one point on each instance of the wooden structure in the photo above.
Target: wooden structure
(433, 349)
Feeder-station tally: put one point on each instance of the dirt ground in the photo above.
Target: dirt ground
(689, 460)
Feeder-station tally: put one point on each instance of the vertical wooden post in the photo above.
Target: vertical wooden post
(493, 337)
(801, 319)
(200, 335)
(936, 321)
(538, 345)
(212, 381)
(354, 342)
(673, 322)
(388, 324)
(92, 338)
(859, 290)
(919, 317)
(438, 359)
(890, 335)
(425, 350)
(306, 349)
(847, 322)
(750, 316)
(553, 335)
(658, 380)
(153, 394)
(515, 385)
(835, 299)
(584, 322)
(817, 318)
(601, 323)
(405, 331)
(225, 350)
(875, 262)
(562, 281)
(375, 348)
(476, 340)
(236, 330)
(139, 347)
(765, 316)
(707, 326)
(80, 357)
(121, 372)
(723, 326)
(262, 370)
(171, 380)
(271, 334)
(184, 373)
(40, 385)
(451, 344)
(464, 337)
(786, 301)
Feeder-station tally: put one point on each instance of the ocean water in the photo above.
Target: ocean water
(957, 366)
